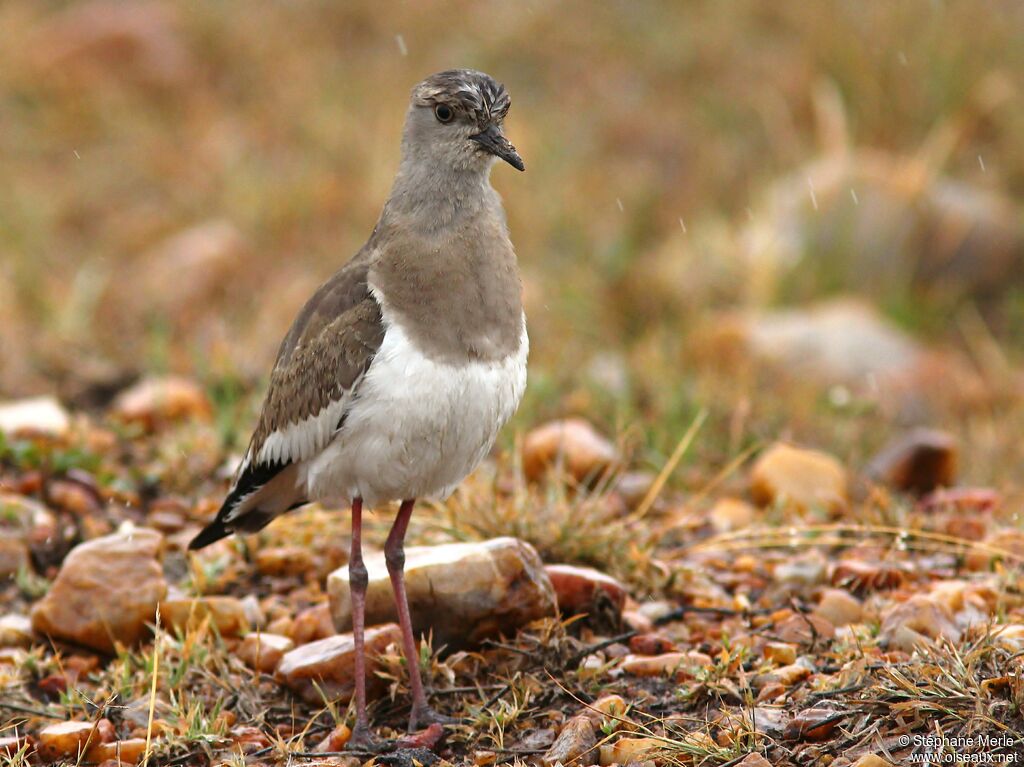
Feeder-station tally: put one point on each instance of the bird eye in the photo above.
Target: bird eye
(443, 113)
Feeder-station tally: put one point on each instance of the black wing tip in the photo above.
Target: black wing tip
(212, 533)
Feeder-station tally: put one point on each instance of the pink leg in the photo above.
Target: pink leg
(394, 555)
(362, 737)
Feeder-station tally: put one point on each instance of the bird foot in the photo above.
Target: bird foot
(364, 741)
(423, 716)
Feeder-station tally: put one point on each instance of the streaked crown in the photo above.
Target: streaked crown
(476, 93)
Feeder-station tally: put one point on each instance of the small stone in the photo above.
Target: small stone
(327, 667)
(575, 740)
(651, 644)
(462, 592)
(281, 561)
(631, 750)
(781, 653)
(572, 444)
(754, 760)
(918, 462)
(14, 555)
(263, 652)
(613, 706)
(15, 631)
(812, 725)
(43, 416)
(787, 676)
(155, 402)
(840, 608)
(106, 592)
(872, 760)
(908, 624)
(804, 629)
(128, 751)
(731, 514)
(798, 478)
(313, 623)
(580, 590)
(335, 740)
(12, 745)
(73, 497)
(225, 614)
(677, 664)
(1010, 637)
(65, 739)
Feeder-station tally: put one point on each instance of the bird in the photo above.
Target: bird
(398, 373)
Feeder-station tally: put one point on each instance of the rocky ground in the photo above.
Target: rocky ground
(799, 613)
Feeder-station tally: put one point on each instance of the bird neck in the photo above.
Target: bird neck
(432, 198)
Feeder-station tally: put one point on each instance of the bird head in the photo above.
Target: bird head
(455, 120)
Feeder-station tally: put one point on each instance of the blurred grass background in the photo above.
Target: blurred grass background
(176, 178)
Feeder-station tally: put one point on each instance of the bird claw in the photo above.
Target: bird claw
(364, 741)
(425, 716)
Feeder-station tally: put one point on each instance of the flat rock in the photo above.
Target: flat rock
(799, 478)
(573, 445)
(263, 652)
(328, 665)
(226, 614)
(585, 590)
(917, 462)
(128, 751)
(37, 415)
(106, 592)
(676, 664)
(462, 592)
(154, 402)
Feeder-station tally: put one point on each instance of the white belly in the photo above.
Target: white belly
(416, 427)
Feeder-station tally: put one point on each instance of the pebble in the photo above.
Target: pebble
(335, 740)
(572, 444)
(787, 676)
(462, 592)
(838, 607)
(263, 652)
(731, 514)
(225, 614)
(576, 740)
(782, 653)
(15, 631)
(754, 760)
(812, 724)
(158, 401)
(106, 591)
(919, 619)
(917, 462)
(282, 561)
(580, 590)
(631, 750)
(799, 479)
(327, 666)
(313, 623)
(679, 664)
(43, 416)
(128, 751)
(66, 740)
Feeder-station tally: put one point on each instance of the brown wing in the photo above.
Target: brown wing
(321, 361)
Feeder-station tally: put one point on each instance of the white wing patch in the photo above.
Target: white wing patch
(301, 441)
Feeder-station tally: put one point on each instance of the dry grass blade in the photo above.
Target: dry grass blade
(670, 466)
(152, 690)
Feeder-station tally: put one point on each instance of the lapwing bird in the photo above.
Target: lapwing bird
(398, 373)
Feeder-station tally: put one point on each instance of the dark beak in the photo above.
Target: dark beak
(491, 140)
